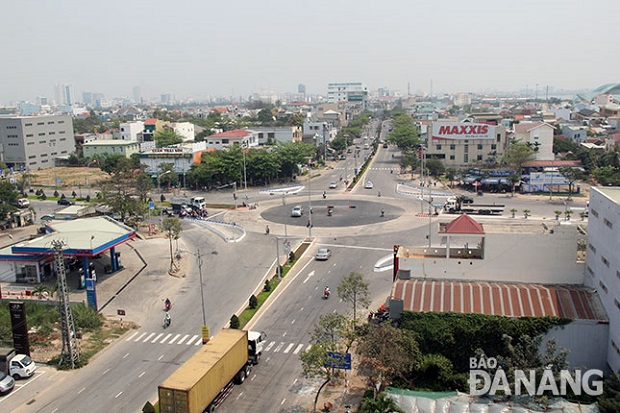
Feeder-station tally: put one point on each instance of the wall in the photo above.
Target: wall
(586, 341)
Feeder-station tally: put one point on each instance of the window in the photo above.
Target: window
(225, 141)
(493, 146)
(12, 136)
(41, 123)
(42, 134)
(61, 121)
(465, 158)
(603, 286)
(499, 137)
(605, 261)
(479, 147)
(466, 148)
(479, 157)
(438, 147)
(11, 127)
(595, 213)
(589, 270)
(50, 122)
(608, 223)
(615, 346)
(452, 147)
(592, 248)
(28, 124)
(617, 304)
(42, 142)
(63, 139)
(61, 132)
(32, 157)
(52, 133)
(618, 274)
(30, 143)
(43, 155)
(451, 157)
(30, 135)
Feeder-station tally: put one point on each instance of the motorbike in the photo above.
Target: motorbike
(167, 305)
(167, 321)
(326, 294)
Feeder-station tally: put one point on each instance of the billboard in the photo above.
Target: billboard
(462, 131)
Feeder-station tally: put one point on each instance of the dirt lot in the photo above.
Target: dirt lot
(70, 177)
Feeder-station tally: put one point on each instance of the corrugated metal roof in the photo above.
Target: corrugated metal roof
(510, 300)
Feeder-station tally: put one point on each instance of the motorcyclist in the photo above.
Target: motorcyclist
(167, 303)
(326, 291)
(167, 319)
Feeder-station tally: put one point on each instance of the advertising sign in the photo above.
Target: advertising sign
(19, 327)
(547, 178)
(462, 131)
(339, 360)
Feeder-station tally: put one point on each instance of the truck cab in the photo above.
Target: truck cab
(256, 344)
(22, 367)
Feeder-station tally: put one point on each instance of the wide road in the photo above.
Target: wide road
(126, 374)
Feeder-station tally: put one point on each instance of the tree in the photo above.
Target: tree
(327, 336)
(517, 154)
(571, 175)
(166, 137)
(353, 289)
(609, 401)
(119, 193)
(409, 159)
(386, 353)
(171, 227)
(514, 179)
(167, 175)
(450, 175)
(381, 404)
(607, 175)
(144, 185)
(435, 167)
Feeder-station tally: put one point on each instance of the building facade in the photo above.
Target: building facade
(34, 142)
(270, 135)
(129, 131)
(225, 140)
(351, 92)
(602, 271)
(184, 129)
(539, 135)
(110, 147)
(462, 144)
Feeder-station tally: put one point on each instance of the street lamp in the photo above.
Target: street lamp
(159, 176)
(244, 145)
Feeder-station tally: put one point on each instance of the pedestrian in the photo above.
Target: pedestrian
(267, 230)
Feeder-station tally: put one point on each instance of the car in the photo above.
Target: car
(385, 145)
(6, 383)
(297, 211)
(22, 203)
(369, 185)
(333, 185)
(66, 201)
(323, 254)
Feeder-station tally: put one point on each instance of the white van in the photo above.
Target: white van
(22, 367)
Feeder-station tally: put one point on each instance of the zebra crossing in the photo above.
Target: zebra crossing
(195, 340)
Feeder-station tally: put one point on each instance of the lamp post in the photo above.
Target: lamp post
(245, 176)
(158, 179)
(309, 204)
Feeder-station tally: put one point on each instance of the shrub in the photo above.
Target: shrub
(253, 301)
(73, 194)
(234, 322)
(86, 318)
(291, 256)
(267, 287)
(162, 198)
(87, 198)
(56, 194)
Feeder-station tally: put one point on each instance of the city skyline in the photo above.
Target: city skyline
(194, 50)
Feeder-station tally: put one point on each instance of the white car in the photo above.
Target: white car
(323, 254)
(22, 366)
(333, 185)
(369, 185)
(297, 211)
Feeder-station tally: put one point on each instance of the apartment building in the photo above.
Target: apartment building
(539, 135)
(602, 271)
(129, 131)
(350, 92)
(35, 142)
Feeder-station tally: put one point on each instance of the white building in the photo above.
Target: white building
(269, 135)
(182, 157)
(602, 271)
(184, 129)
(462, 99)
(539, 135)
(351, 92)
(129, 130)
(64, 95)
(224, 140)
(321, 132)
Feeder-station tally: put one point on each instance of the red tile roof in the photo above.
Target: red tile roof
(557, 164)
(150, 121)
(509, 300)
(464, 224)
(236, 133)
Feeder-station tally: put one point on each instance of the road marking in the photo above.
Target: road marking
(142, 374)
(183, 339)
(308, 348)
(191, 340)
(293, 322)
(199, 342)
(239, 396)
(132, 336)
(174, 339)
(118, 395)
(81, 390)
(55, 410)
(148, 338)
(253, 377)
(297, 350)
(356, 247)
(105, 372)
(308, 277)
(163, 340)
(270, 345)
(126, 355)
(288, 348)
(140, 337)
(283, 400)
(160, 357)
(157, 338)
(295, 381)
(301, 309)
(284, 335)
(279, 347)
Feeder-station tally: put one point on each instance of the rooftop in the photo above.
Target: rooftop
(611, 192)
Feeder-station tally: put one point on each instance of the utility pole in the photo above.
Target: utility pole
(70, 354)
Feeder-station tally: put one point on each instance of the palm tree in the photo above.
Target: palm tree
(568, 213)
(526, 213)
(514, 211)
(557, 214)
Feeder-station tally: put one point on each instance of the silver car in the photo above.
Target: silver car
(297, 211)
(323, 254)
(6, 383)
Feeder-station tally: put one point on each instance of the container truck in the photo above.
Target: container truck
(203, 382)
(460, 205)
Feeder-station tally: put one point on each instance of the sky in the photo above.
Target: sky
(202, 48)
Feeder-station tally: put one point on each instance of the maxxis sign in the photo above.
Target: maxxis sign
(462, 131)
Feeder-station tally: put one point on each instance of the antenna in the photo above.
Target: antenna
(70, 354)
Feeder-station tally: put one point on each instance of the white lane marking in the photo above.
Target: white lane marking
(140, 336)
(299, 347)
(118, 395)
(293, 322)
(308, 348)
(132, 336)
(279, 347)
(191, 340)
(198, 342)
(157, 338)
(81, 390)
(163, 340)
(148, 338)
(160, 357)
(105, 372)
(283, 400)
(239, 396)
(288, 348)
(308, 277)
(301, 309)
(126, 355)
(284, 335)
(270, 345)
(183, 339)
(253, 377)
(355, 247)
(142, 374)
(295, 381)
(55, 410)
(174, 339)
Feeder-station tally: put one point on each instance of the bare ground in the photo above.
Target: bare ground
(72, 177)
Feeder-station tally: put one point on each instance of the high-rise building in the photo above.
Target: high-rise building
(34, 142)
(351, 92)
(301, 88)
(64, 94)
(136, 94)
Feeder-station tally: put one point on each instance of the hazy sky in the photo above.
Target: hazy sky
(205, 48)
